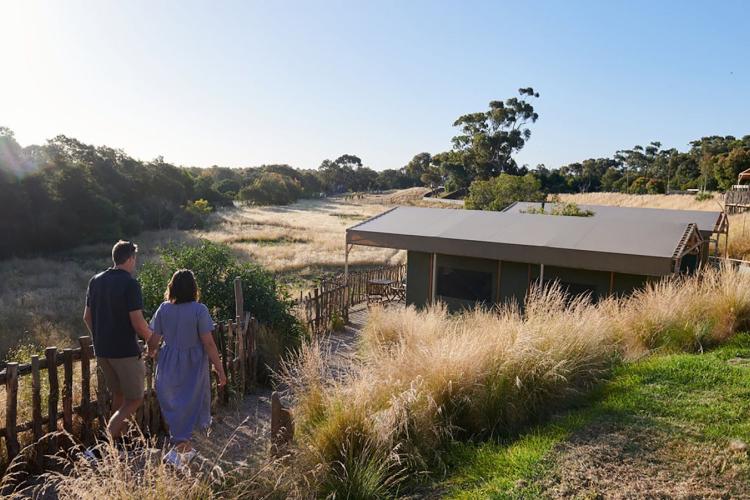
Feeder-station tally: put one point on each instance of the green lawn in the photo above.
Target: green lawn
(661, 426)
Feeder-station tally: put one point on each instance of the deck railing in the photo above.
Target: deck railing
(331, 299)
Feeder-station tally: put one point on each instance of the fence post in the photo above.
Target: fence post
(54, 395)
(11, 410)
(282, 429)
(223, 351)
(317, 311)
(68, 390)
(241, 335)
(85, 343)
(36, 410)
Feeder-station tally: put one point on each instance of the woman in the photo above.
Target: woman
(183, 383)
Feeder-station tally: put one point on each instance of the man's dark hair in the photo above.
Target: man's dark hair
(182, 288)
(122, 251)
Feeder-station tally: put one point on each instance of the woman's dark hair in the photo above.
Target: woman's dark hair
(182, 288)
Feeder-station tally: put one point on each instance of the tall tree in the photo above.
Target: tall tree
(487, 141)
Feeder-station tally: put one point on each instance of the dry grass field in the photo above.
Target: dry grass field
(41, 299)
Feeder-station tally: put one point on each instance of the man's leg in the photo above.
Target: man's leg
(117, 424)
(131, 374)
(117, 400)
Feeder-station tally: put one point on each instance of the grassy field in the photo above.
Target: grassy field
(42, 299)
(664, 427)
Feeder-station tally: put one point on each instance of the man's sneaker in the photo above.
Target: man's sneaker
(179, 460)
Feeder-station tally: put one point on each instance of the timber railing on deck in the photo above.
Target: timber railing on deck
(66, 376)
(332, 298)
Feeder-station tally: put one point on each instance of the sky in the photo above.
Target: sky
(248, 83)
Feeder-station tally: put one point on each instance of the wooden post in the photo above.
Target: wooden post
(317, 310)
(54, 395)
(68, 390)
(239, 300)
(252, 336)
(36, 410)
(11, 410)
(85, 343)
(230, 368)
(282, 428)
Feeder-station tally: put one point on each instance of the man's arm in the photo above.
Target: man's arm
(87, 319)
(139, 325)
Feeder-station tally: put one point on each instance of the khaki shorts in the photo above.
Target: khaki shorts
(124, 375)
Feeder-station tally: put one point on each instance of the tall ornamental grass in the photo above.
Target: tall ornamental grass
(426, 378)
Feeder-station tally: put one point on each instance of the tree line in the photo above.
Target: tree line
(487, 141)
(66, 193)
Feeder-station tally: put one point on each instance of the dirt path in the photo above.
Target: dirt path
(242, 432)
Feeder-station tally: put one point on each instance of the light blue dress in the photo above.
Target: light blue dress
(183, 383)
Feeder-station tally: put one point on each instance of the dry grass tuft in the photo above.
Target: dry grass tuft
(426, 377)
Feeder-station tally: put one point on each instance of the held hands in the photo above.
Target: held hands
(154, 341)
(221, 378)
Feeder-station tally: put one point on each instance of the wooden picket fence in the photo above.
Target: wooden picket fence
(332, 299)
(60, 374)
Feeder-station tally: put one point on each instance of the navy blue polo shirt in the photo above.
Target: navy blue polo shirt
(111, 296)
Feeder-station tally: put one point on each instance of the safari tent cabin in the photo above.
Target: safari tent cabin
(466, 257)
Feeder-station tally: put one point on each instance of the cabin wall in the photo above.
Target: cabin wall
(460, 277)
(418, 278)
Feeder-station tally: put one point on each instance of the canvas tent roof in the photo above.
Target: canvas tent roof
(632, 245)
(708, 221)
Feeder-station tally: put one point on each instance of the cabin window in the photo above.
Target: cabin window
(462, 284)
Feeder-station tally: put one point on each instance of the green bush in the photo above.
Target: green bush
(501, 191)
(271, 188)
(567, 209)
(215, 269)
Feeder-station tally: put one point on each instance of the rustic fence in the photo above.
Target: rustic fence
(331, 299)
(66, 376)
(737, 200)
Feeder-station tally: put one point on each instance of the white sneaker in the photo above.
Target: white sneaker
(179, 460)
(91, 455)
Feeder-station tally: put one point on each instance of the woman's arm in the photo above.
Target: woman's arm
(213, 355)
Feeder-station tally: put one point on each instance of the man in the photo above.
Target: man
(114, 316)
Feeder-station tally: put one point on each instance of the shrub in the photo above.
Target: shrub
(194, 215)
(567, 209)
(215, 269)
(271, 188)
(501, 191)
